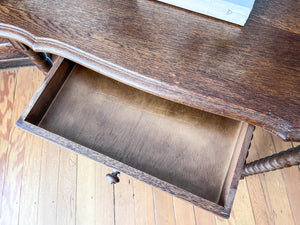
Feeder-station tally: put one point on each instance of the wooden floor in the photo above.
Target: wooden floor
(42, 183)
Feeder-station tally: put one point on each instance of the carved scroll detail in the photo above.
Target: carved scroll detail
(277, 161)
(40, 59)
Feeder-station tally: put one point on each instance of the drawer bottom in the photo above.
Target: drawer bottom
(187, 148)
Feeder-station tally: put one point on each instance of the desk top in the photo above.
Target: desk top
(249, 73)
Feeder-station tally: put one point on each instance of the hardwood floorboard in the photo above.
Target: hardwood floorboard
(29, 195)
(221, 221)
(164, 208)
(242, 209)
(48, 190)
(262, 210)
(184, 212)
(124, 201)
(204, 217)
(143, 203)
(104, 197)
(42, 184)
(261, 205)
(291, 178)
(86, 192)
(30, 180)
(24, 89)
(273, 182)
(7, 91)
(67, 180)
(13, 178)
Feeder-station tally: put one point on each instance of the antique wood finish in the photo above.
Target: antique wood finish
(10, 56)
(189, 153)
(274, 197)
(7, 50)
(237, 164)
(280, 160)
(40, 59)
(182, 56)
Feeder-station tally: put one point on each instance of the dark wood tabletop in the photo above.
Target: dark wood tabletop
(249, 73)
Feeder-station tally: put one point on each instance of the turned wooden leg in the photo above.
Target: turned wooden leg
(277, 161)
(40, 59)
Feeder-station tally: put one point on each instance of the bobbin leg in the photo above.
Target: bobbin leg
(277, 161)
(40, 59)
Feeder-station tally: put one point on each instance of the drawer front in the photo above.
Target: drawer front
(191, 154)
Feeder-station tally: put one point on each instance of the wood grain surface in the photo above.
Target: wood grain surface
(203, 218)
(275, 208)
(49, 179)
(10, 56)
(40, 59)
(290, 157)
(261, 208)
(145, 132)
(164, 208)
(105, 197)
(18, 141)
(166, 144)
(143, 203)
(184, 212)
(7, 50)
(86, 192)
(7, 87)
(249, 73)
(30, 181)
(291, 178)
(66, 199)
(124, 201)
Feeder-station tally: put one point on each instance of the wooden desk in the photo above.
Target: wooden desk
(250, 74)
(247, 73)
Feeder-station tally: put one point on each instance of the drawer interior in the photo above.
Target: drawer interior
(186, 147)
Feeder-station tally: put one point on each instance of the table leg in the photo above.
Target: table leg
(40, 59)
(283, 159)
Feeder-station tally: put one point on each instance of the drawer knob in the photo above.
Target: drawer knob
(113, 178)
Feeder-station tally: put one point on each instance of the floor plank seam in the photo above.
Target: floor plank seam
(133, 198)
(39, 190)
(114, 203)
(154, 206)
(174, 210)
(260, 177)
(58, 182)
(252, 210)
(21, 184)
(283, 178)
(75, 194)
(194, 215)
(95, 190)
(8, 145)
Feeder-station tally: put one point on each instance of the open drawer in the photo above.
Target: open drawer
(192, 154)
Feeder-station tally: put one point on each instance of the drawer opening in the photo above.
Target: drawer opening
(180, 145)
